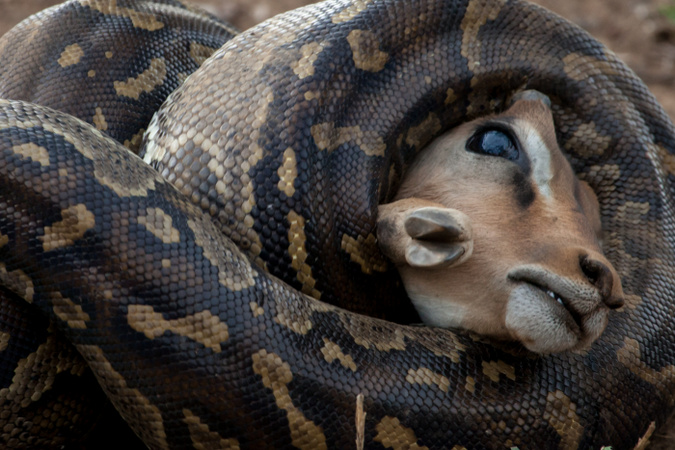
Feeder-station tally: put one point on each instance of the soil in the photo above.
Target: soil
(638, 31)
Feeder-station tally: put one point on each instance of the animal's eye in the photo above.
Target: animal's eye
(493, 142)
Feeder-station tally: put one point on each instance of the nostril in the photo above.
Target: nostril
(593, 270)
(601, 277)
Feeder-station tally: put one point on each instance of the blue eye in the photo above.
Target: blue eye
(493, 142)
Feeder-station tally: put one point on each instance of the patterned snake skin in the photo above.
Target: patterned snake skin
(273, 158)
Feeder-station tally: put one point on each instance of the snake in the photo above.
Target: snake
(225, 288)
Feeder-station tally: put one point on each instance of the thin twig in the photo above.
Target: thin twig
(644, 440)
(360, 423)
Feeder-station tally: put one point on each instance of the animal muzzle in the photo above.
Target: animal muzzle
(600, 273)
(578, 274)
(562, 303)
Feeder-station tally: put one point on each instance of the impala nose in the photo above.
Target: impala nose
(606, 280)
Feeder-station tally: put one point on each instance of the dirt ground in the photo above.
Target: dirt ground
(639, 31)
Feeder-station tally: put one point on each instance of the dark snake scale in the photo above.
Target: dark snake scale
(162, 278)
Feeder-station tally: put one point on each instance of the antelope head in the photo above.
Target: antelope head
(492, 232)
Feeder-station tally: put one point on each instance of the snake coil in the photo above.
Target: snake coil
(271, 160)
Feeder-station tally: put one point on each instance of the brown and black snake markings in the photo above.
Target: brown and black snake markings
(271, 160)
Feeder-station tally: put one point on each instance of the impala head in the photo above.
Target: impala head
(537, 273)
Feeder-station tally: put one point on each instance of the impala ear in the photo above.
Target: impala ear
(440, 238)
(432, 224)
(430, 255)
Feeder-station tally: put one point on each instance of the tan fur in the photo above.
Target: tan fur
(553, 243)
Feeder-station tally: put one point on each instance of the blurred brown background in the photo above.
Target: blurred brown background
(641, 32)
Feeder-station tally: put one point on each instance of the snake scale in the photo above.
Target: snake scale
(270, 162)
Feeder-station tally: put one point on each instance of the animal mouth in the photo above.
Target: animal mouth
(543, 284)
(565, 303)
(554, 296)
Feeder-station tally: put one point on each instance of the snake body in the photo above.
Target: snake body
(272, 159)
(111, 64)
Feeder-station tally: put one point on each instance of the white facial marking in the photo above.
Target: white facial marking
(438, 312)
(540, 158)
(536, 323)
